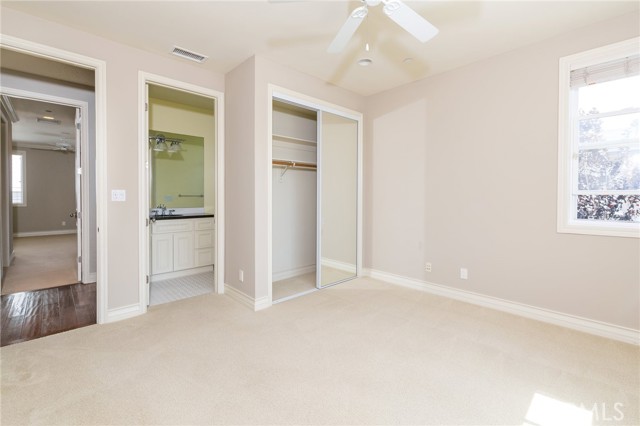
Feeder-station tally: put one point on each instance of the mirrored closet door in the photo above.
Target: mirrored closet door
(315, 197)
(338, 189)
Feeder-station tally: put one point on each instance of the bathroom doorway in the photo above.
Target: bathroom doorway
(182, 187)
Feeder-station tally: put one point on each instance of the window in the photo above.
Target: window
(18, 178)
(599, 142)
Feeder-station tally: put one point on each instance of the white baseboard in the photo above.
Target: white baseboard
(261, 303)
(124, 312)
(585, 325)
(248, 301)
(341, 266)
(179, 274)
(44, 233)
(283, 275)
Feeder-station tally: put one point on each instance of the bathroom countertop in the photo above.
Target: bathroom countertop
(184, 216)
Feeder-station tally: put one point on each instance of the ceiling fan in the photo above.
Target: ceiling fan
(60, 146)
(396, 10)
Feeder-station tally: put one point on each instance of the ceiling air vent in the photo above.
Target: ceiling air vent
(189, 55)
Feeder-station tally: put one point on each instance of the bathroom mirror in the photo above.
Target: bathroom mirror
(177, 165)
(339, 210)
(181, 150)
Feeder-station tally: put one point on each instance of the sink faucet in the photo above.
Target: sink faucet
(163, 208)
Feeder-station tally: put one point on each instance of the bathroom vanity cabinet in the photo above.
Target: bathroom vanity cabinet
(181, 246)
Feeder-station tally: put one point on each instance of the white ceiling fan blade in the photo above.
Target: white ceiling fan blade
(348, 29)
(408, 19)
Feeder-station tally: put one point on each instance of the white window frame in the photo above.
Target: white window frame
(567, 163)
(23, 156)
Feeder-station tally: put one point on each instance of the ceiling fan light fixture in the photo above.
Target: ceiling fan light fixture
(395, 10)
(47, 120)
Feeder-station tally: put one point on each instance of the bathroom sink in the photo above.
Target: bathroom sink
(166, 216)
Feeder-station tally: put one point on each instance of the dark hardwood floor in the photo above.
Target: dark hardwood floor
(33, 314)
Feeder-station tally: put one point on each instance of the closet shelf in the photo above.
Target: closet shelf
(292, 139)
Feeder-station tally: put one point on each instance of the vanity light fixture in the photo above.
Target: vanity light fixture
(160, 143)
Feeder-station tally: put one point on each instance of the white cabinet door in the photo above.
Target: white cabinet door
(161, 253)
(204, 257)
(183, 253)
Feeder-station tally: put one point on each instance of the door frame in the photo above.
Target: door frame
(284, 94)
(83, 238)
(99, 68)
(145, 78)
(6, 238)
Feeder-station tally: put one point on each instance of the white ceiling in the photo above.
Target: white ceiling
(29, 133)
(296, 34)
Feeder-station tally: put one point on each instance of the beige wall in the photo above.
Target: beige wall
(51, 194)
(123, 64)
(240, 177)
(461, 171)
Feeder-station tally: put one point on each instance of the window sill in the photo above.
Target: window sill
(627, 230)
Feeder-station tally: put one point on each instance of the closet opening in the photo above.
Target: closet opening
(294, 200)
(315, 196)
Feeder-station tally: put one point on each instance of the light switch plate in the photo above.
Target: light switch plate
(118, 195)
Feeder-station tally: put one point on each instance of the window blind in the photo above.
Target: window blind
(606, 71)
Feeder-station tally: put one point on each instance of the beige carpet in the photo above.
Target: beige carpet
(294, 285)
(362, 352)
(42, 262)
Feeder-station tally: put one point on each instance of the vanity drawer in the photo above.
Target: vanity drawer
(176, 225)
(206, 223)
(204, 239)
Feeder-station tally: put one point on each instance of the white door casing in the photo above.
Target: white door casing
(144, 79)
(78, 190)
(100, 89)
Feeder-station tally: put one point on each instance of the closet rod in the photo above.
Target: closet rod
(294, 164)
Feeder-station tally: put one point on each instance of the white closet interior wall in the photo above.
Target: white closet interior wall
(294, 192)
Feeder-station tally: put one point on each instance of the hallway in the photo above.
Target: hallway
(41, 262)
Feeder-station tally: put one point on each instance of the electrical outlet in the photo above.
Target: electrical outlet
(464, 273)
(427, 267)
(241, 275)
(64, 223)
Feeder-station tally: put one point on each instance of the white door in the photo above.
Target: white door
(78, 174)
